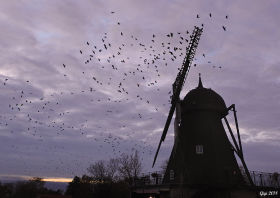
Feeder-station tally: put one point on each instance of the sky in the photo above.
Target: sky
(68, 100)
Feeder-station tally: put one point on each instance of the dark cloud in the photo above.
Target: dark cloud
(73, 121)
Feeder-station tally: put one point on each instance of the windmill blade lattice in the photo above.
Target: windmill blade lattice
(180, 80)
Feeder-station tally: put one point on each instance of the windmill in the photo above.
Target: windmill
(202, 154)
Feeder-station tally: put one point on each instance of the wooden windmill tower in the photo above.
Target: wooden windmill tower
(202, 154)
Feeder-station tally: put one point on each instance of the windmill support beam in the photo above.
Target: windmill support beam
(232, 137)
(247, 171)
(232, 107)
(237, 129)
(238, 148)
(234, 149)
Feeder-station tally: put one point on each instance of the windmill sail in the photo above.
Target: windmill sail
(180, 80)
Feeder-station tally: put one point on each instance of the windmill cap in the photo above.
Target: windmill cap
(202, 98)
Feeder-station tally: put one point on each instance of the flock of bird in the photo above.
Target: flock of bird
(124, 73)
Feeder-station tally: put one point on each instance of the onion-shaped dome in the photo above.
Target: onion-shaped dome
(204, 99)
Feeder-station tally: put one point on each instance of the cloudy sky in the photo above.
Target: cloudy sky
(68, 100)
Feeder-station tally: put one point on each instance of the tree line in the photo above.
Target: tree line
(26, 189)
(111, 178)
(105, 178)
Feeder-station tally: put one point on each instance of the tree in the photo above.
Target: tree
(130, 166)
(98, 170)
(6, 190)
(126, 167)
(80, 187)
(110, 178)
(112, 168)
(25, 190)
(37, 182)
(31, 188)
(73, 187)
(136, 164)
(104, 170)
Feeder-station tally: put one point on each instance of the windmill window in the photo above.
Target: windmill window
(171, 175)
(199, 149)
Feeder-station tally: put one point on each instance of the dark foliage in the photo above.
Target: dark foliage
(6, 190)
(87, 187)
(25, 189)
(80, 187)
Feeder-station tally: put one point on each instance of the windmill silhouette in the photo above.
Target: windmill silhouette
(202, 154)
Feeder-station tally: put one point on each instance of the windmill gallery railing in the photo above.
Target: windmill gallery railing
(154, 178)
(260, 179)
(265, 179)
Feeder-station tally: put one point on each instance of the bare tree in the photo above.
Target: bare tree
(136, 164)
(98, 170)
(130, 166)
(104, 170)
(126, 167)
(112, 168)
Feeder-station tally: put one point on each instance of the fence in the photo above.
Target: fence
(154, 178)
(260, 179)
(265, 179)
